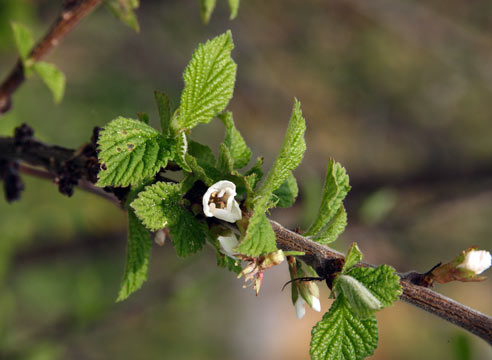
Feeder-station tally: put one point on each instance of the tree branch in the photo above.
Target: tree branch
(72, 12)
(324, 260)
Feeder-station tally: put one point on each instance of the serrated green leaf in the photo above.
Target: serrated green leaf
(334, 191)
(290, 156)
(240, 152)
(182, 152)
(206, 9)
(234, 7)
(202, 153)
(123, 10)
(209, 83)
(341, 335)
(254, 175)
(333, 229)
(286, 194)
(259, 238)
(52, 77)
(225, 163)
(23, 40)
(186, 233)
(383, 282)
(158, 206)
(363, 302)
(130, 151)
(137, 257)
(164, 109)
(353, 257)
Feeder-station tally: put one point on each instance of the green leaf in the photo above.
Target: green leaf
(186, 233)
(363, 302)
(228, 263)
(290, 156)
(383, 282)
(23, 40)
(209, 83)
(52, 77)
(333, 229)
(123, 10)
(234, 7)
(137, 257)
(334, 191)
(341, 335)
(254, 175)
(158, 206)
(353, 257)
(203, 154)
(130, 151)
(143, 117)
(240, 152)
(182, 152)
(259, 238)
(225, 162)
(286, 194)
(164, 109)
(206, 9)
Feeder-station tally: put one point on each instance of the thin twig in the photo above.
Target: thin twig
(73, 11)
(324, 260)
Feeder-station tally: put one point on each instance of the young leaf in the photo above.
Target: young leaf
(225, 162)
(353, 257)
(254, 175)
(290, 156)
(206, 9)
(259, 238)
(164, 108)
(333, 229)
(186, 233)
(286, 194)
(52, 77)
(363, 302)
(143, 117)
(341, 335)
(334, 191)
(234, 7)
(137, 257)
(182, 151)
(203, 154)
(209, 83)
(123, 10)
(130, 151)
(240, 152)
(23, 40)
(383, 282)
(158, 206)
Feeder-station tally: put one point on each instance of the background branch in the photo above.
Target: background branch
(73, 11)
(323, 259)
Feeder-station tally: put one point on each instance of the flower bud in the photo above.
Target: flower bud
(476, 261)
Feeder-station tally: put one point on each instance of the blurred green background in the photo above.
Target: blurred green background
(398, 91)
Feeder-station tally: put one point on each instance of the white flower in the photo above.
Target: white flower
(300, 311)
(227, 244)
(477, 261)
(219, 201)
(316, 304)
(299, 305)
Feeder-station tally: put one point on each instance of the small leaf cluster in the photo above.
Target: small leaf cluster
(124, 10)
(134, 154)
(349, 331)
(49, 73)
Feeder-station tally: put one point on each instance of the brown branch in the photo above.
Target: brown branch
(73, 11)
(323, 259)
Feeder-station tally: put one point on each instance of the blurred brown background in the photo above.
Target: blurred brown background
(398, 91)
